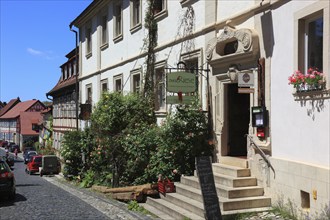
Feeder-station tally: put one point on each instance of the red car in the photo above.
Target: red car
(33, 164)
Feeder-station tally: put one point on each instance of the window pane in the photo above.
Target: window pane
(315, 44)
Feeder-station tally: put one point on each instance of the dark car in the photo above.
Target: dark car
(4, 144)
(13, 147)
(9, 160)
(26, 150)
(33, 165)
(28, 155)
(7, 180)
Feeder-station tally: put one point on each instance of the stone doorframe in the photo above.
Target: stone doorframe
(233, 51)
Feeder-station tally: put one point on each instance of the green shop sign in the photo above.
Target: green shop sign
(180, 100)
(181, 82)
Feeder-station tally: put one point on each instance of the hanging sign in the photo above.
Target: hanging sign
(245, 79)
(180, 99)
(181, 82)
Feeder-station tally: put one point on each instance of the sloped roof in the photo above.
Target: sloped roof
(20, 107)
(27, 119)
(62, 84)
(9, 106)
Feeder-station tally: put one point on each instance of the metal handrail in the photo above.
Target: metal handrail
(262, 154)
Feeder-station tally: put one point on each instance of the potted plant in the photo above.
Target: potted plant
(312, 80)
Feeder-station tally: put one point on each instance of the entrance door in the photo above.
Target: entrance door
(238, 112)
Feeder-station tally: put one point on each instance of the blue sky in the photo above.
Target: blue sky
(35, 37)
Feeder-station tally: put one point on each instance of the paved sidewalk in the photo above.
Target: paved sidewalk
(111, 208)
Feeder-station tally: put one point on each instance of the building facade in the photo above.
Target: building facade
(64, 97)
(250, 49)
(16, 124)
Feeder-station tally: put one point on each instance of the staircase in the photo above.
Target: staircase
(237, 190)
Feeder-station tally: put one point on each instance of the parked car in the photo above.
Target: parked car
(28, 155)
(7, 180)
(13, 147)
(50, 165)
(9, 160)
(33, 164)
(26, 150)
(4, 144)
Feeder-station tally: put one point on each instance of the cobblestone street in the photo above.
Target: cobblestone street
(51, 197)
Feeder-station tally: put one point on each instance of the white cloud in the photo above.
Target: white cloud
(35, 52)
(49, 55)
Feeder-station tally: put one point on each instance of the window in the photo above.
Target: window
(160, 88)
(159, 6)
(311, 48)
(104, 29)
(314, 43)
(117, 20)
(88, 40)
(135, 6)
(89, 93)
(70, 70)
(193, 61)
(136, 80)
(117, 82)
(104, 85)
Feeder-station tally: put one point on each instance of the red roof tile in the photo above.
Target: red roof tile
(20, 107)
(9, 106)
(27, 119)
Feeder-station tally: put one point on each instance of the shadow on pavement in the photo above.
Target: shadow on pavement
(5, 202)
(24, 185)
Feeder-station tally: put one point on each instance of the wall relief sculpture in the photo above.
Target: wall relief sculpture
(239, 47)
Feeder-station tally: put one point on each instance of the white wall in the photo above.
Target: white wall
(300, 129)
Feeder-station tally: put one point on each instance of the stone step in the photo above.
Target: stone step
(188, 191)
(234, 181)
(172, 210)
(228, 181)
(234, 161)
(244, 203)
(230, 170)
(186, 203)
(239, 192)
(157, 212)
(222, 191)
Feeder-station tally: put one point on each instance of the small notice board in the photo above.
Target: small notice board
(209, 193)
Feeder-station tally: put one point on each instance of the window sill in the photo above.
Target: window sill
(186, 3)
(118, 38)
(88, 55)
(135, 28)
(104, 46)
(160, 15)
(312, 95)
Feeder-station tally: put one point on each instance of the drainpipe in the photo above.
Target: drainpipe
(77, 92)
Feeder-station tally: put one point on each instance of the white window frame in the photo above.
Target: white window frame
(135, 15)
(163, 12)
(115, 80)
(319, 8)
(104, 82)
(88, 39)
(104, 29)
(117, 33)
(134, 74)
(89, 98)
(197, 54)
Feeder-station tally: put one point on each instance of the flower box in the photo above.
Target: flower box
(313, 80)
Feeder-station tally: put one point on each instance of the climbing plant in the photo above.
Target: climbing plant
(151, 43)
